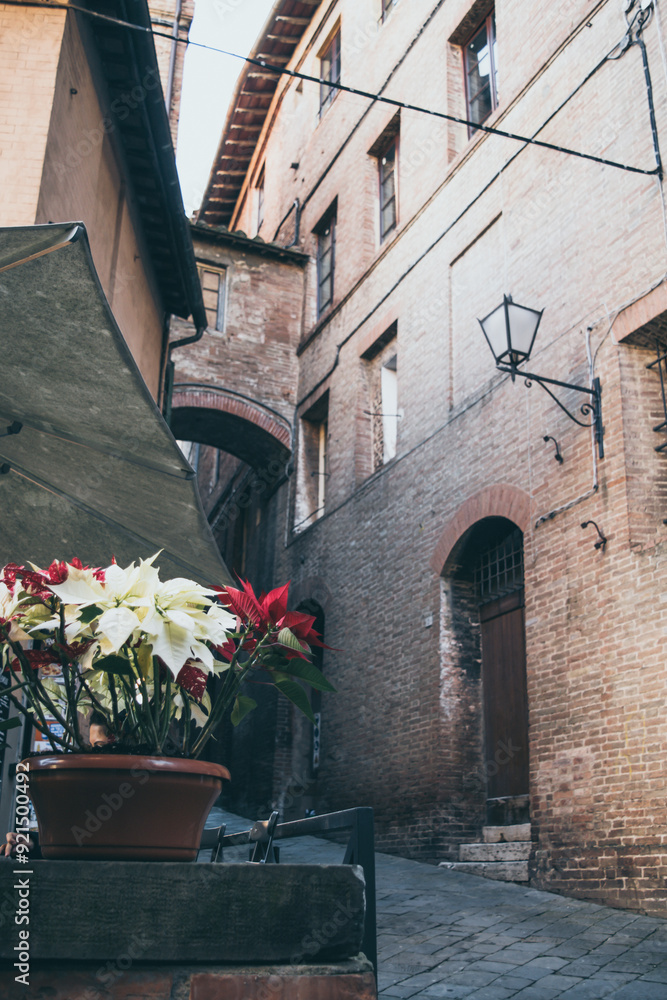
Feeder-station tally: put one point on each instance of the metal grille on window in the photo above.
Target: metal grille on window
(499, 570)
(660, 364)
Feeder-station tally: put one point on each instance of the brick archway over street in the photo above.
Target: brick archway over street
(501, 500)
(232, 422)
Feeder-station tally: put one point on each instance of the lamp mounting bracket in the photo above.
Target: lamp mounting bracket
(592, 408)
(602, 541)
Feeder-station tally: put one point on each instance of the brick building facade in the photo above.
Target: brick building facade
(84, 136)
(495, 664)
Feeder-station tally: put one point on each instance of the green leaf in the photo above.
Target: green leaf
(297, 695)
(10, 724)
(287, 638)
(308, 672)
(113, 664)
(274, 661)
(242, 706)
(89, 614)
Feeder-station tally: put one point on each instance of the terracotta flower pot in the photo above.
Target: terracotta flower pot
(93, 806)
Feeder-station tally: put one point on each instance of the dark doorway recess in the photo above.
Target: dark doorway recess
(500, 594)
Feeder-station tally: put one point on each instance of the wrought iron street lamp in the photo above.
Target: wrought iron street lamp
(510, 332)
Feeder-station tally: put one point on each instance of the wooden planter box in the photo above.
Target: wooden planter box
(213, 931)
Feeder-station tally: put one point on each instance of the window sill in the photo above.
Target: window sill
(388, 238)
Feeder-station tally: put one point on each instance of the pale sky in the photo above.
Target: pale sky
(209, 80)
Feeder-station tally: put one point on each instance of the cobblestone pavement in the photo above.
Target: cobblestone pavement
(443, 934)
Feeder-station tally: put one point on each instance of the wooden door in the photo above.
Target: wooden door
(504, 695)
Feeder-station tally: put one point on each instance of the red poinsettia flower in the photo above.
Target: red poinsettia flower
(227, 650)
(263, 612)
(268, 612)
(73, 650)
(98, 573)
(302, 627)
(192, 679)
(38, 583)
(9, 574)
(36, 658)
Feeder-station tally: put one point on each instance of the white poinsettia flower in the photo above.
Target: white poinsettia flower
(203, 655)
(79, 588)
(177, 619)
(8, 607)
(181, 618)
(178, 592)
(8, 602)
(172, 644)
(222, 617)
(116, 626)
(86, 660)
(200, 718)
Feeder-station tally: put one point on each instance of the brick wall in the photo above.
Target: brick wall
(579, 240)
(82, 178)
(29, 48)
(255, 352)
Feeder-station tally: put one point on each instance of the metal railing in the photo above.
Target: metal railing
(360, 850)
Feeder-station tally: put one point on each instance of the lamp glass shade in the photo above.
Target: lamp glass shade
(495, 331)
(510, 331)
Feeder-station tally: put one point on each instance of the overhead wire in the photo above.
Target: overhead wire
(615, 53)
(380, 98)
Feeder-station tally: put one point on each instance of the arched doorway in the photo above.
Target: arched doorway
(486, 590)
(499, 590)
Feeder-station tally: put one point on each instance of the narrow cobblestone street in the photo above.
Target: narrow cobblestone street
(444, 934)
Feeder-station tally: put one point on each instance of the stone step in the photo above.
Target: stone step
(518, 850)
(503, 834)
(503, 871)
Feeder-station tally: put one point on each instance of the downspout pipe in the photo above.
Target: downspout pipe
(170, 367)
(197, 335)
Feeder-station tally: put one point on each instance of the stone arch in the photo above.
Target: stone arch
(234, 423)
(501, 500)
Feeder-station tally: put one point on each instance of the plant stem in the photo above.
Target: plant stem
(187, 722)
(156, 701)
(146, 705)
(230, 689)
(164, 729)
(114, 709)
(36, 692)
(130, 706)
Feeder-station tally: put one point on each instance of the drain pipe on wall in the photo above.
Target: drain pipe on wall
(170, 366)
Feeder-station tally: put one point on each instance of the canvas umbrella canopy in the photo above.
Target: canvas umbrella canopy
(93, 471)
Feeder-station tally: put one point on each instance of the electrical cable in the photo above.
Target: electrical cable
(492, 387)
(615, 53)
(296, 75)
